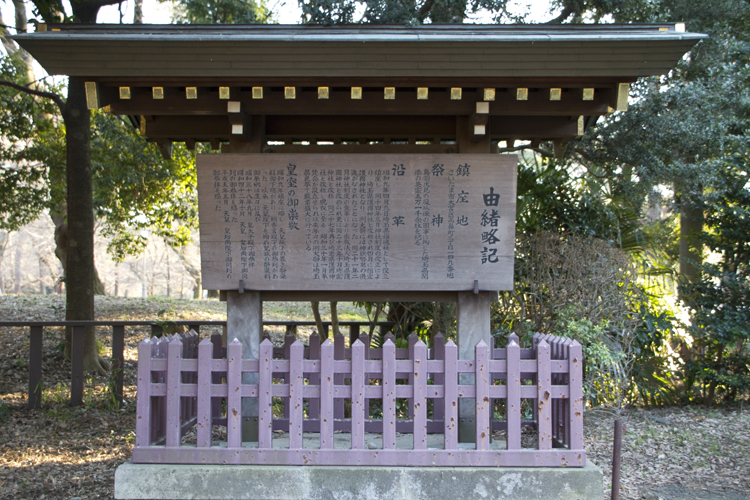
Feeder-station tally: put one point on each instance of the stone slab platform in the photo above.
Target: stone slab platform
(267, 482)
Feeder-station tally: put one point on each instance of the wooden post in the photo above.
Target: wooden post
(245, 323)
(174, 383)
(473, 326)
(143, 409)
(265, 387)
(326, 395)
(234, 391)
(118, 359)
(76, 362)
(35, 367)
(389, 395)
(204, 421)
(513, 402)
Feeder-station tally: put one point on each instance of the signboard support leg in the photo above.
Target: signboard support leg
(473, 326)
(244, 323)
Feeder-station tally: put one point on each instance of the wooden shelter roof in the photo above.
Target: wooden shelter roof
(369, 89)
(429, 51)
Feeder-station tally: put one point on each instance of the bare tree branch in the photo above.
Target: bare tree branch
(39, 93)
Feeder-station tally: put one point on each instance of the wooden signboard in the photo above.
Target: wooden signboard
(357, 222)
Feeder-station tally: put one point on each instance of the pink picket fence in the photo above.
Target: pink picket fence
(328, 389)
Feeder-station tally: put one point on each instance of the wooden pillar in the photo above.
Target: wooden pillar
(473, 325)
(473, 309)
(245, 323)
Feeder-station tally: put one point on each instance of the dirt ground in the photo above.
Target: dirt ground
(59, 452)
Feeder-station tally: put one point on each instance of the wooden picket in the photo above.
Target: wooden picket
(178, 388)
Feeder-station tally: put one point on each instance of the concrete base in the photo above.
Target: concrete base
(265, 482)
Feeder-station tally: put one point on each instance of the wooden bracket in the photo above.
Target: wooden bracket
(166, 149)
(240, 125)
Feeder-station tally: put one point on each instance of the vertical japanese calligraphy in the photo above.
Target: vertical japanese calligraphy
(357, 222)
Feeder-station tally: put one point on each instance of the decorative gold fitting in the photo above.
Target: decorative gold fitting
(323, 93)
(191, 92)
(588, 94)
(456, 93)
(423, 93)
(92, 95)
(389, 93)
(258, 92)
(555, 94)
(157, 92)
(489, 94)
(522, 94)
(124, 92)
(290, 92)
(223, 92)
(623, 90)
(356, 92)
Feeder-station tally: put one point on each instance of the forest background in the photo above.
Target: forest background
(635, 242)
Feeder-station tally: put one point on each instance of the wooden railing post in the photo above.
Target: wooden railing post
(451, 396)
(482, 395)
(313, 406)
(35, 367)
(216, 348)
(76, 364)
(265, 395)
(513, 401)
(118, 360)
(544, 396)
(358, 395)
(234, 394)
(438, 353)
(294, 403)
(413, 338)
(174, 383)
(575, 381)
(143, 403)
(326, 395)
(204, 421)
(389, 395)
(419, 402)
(338, 378)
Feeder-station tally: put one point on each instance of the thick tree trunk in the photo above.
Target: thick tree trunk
(61, 249)
(79, 268)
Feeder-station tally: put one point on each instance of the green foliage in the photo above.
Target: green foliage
(409, 12)
(220, 12)
(136, 189)
(29, 150)
(721, 300)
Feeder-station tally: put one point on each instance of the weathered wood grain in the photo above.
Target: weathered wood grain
(343, 222)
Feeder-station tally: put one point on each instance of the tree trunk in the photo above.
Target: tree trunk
(138, 12)
(79, 261)
(17, 261)
(335, 318)
(318, 321)
(691, 248)
(61, 248)
(192, 270)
